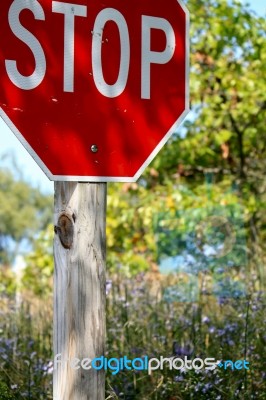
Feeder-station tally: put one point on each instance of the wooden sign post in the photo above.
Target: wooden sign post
(79, 288)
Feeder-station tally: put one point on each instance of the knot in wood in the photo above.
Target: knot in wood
(65, 230)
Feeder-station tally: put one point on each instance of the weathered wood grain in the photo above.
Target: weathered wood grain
(79, 287)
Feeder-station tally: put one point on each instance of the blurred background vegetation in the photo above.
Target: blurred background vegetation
(186, 243)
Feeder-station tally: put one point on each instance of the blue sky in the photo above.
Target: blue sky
(31, 171)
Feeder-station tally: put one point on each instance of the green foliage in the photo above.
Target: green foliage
(23, 211)
(5, 392)
(228, 68)
(130, 240)
(8, 281)
(223, 140)
(37, 276)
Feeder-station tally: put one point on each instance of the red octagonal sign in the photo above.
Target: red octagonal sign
(93, 89)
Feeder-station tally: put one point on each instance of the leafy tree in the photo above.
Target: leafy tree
(227, 93)
(24, 211)
(37, 275)
(219, 159)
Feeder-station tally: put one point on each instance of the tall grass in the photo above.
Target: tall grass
(144, 319)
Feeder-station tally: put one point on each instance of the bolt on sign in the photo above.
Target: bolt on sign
(93, 89)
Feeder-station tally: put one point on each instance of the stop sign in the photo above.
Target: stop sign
(93, 89)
